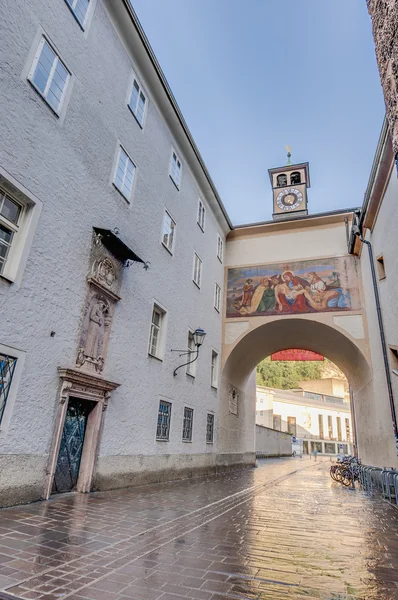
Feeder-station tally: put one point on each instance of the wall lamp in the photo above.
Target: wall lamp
(198, 339)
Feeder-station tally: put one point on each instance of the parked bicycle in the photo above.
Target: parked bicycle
(346, 470)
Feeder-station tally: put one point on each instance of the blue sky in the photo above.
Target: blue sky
(252, 77)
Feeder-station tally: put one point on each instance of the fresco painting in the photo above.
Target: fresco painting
(313, 286)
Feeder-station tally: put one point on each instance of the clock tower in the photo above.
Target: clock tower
(289, 186)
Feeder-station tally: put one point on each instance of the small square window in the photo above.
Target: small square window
(217, 297)
(49, 76)
(175, 169)
(124, 174)
(169, 227)
(163, 426)
(187, 425)
(138, 102)
(192, 350)
(214, 368)
(219, 248)
(79, 9)
(380, 267)
(201, 215)
(210, 428)
(197, 270)
(7, 368)
(156, 333)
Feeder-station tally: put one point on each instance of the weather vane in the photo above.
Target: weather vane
(289, 162)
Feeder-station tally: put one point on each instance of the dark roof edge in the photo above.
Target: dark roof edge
(329, 213)
(174, 104)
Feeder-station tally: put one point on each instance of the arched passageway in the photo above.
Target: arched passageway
(236, 431)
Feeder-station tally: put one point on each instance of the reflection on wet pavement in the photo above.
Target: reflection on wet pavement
(282, 531)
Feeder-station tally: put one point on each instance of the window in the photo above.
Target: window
(168, 232)
(197, 270)
(79, 8)
(124, 174)
(217, 297)
(201, 215)
(214, 368)
(191, 368)
(210, 428)
(295, 178)
(277, 422)
(261, 413)
(219, 248)
(7, 368)
(10, 217)
(291, 425)
(175, 169)
(320, 422)
(187, 425)
(339, 437)
(330, 448)
(316, 446)
(330, 427)
(163, 427)
(380, 267)
(281, 180)
(137, 102)
(155, 338)
(49, 76)
(347, 430)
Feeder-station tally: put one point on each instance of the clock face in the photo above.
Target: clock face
(289, 199)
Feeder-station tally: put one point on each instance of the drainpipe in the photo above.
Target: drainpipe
(357, 232)
(354, 425)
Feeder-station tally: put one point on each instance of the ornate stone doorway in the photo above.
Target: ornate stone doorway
(72, 444)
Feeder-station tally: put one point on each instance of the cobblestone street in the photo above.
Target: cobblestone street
(282, 531)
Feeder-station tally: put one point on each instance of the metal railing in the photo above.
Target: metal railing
(379, 479)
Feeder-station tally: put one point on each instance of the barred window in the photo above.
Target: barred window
(187, 425)
(7, 368)
(164, 415)
(210, 428)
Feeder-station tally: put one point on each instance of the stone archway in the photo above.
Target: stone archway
(236, 431)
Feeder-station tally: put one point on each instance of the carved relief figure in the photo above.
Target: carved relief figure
(104, 272)
(96, 329)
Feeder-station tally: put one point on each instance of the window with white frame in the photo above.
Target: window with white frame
(191, 368)
(197, 270)
(210, 428)
(217, 297)
(168, 232)
(163, 425)
(214, 368)
(137, 103)
(10, 219)
(79, 9)
(175, 169)
(124, 174)
(157, 329)
(187, 425)
(201, 215)
(49, 76)
(7, 368)
(219, 248)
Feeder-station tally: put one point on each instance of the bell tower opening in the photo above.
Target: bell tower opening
(289, 184)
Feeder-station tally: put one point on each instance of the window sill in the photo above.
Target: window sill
(187, 441)
(55, 113)
(135, 116)
(162, 440)
(210, 443)
(190, 375)
(214, 387)
(217, 309)
(121, 193)
(177, 186)
(155, 357)
(168, 249)
(197, 285)
(220, 259)
(200, 227)
(7, 278)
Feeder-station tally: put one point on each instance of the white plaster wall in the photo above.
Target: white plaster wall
(272, 443)
(375, 416)
(299, 244)
(68, 166)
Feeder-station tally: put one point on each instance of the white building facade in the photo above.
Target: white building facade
(323, 422)
(99, 171)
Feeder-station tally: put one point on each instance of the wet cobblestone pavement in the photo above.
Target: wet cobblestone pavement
(282, 531)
